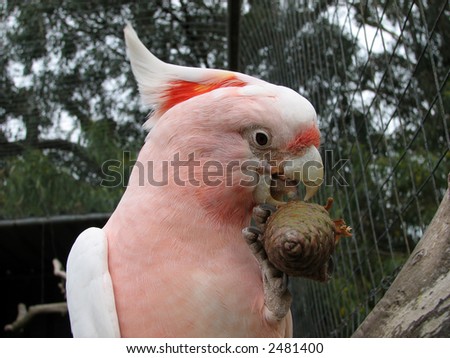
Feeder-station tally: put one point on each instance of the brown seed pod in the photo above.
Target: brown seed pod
(300, 238)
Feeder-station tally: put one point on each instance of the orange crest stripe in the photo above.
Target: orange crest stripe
(180, 91)
(304, 139)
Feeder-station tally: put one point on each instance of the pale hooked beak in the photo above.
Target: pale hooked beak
(307, 169)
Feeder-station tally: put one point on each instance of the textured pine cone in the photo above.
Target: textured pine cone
(300, 238)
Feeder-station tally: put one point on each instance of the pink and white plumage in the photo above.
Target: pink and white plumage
(171, 260)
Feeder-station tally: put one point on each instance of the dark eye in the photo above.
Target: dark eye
(261, 138)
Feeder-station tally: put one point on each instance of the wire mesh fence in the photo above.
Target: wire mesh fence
(376, 72)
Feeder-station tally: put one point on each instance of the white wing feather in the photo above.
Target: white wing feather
(90, 295)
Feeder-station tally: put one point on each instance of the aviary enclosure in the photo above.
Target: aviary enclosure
(375, 70)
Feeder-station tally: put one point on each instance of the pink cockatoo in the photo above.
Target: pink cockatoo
(175, 259)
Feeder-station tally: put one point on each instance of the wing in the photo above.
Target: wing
(90, 295)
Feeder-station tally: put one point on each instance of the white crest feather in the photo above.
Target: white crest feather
(154, 76)
(151, 73)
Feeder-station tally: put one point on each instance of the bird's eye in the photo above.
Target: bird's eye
(261, 138)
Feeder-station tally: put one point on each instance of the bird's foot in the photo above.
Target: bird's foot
(277, 297)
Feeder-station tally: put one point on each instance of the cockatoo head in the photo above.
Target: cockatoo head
(250, 141)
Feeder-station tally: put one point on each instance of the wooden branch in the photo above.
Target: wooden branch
(24, 316)
(58, 269)
(418, 302)
(18, 147)
(59, 272)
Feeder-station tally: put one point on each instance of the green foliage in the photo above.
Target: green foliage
(35, 186)
(383, 106)
(65, 62)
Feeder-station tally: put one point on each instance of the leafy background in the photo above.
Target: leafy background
(376, 71)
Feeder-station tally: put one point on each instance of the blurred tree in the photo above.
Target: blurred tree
(68, 99)
(377, 74)
(376, 71)
(382, 108)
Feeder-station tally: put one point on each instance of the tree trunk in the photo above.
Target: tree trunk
(418, 302)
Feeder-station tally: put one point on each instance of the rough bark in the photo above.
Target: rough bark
(418, 302)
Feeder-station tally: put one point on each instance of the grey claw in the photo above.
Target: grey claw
(252, 236)
(251, 231)
(261, 213)
(268, 207)
(276, 294)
